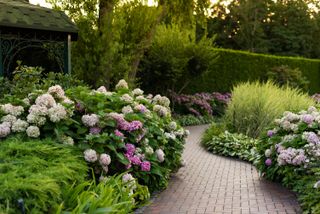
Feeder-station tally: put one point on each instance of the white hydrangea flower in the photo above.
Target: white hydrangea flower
(161, 111)
(170, 136)
(90, 120)
(38, 110)
(127, 110)
(317, 185)
(122, 84)
(102, 89)
(105, 159)
(13, 110)
(164, 101)
(160, 155)
(38, 120)
(57, 113)
(67, 140)
(268, 153)
(126, 98)
(172, 125)
(127, 178)
(137, 92)
(9, 118)
(56, 91)
(33, 131)
(19, 126)
(90, 155)
(149, 150)
(26, 101)
(141, 99)
(46, 100)
(4, 129)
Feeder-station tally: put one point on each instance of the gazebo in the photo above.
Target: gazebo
(25, 29)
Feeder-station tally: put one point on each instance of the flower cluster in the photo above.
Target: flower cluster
(42, 109)
(201, 104)
(295, 140)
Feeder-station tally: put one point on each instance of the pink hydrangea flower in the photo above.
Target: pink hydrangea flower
(268, 162)
(118, 133)
(145, 166)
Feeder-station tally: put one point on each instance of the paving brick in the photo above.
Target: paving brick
(215, 184)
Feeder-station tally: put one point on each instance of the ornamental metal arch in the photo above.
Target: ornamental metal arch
(55, 44)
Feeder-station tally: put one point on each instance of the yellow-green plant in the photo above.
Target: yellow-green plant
(254, 106)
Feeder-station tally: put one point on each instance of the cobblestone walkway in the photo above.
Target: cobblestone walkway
(214, 184)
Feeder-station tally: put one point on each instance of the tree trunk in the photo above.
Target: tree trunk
(106, 8)
(147, 43)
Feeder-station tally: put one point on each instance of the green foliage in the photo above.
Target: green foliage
(192, 120)
(37, 172)
(244, 66)
(284, 75)
(288, 28)
(109, 196)
(28, 79)
(175, 57)
(228, 144)
(254, 106)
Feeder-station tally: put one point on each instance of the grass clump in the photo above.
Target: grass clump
(254, 106)
(37, 171)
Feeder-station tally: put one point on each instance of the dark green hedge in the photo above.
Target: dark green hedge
(233, 67)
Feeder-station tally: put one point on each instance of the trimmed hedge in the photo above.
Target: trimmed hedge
(234, 66)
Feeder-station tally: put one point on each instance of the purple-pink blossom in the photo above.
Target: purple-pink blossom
(307, 118)
(145, 166)
(270, 133)
(95, 130)
(135, 160)
(118, 133)
(130, 148)
(268, 162)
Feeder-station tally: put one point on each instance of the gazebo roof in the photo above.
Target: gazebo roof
(21, 14)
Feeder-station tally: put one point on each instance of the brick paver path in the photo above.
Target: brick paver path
(215, 184)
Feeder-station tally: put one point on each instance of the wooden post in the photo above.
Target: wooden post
(69, 54)
(1, 62)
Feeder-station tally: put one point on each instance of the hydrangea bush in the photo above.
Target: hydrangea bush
(290, 153)
(118, 131)
(200, 104)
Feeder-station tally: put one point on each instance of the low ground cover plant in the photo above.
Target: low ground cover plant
(220, 141)
(37, 172)
(254, 106)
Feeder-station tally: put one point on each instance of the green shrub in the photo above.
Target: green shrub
(27, 79)
(111, 195)
(254, 106)
(229, 144)
(284, 75)
(38, 172)
(175, 56)
(233, 67)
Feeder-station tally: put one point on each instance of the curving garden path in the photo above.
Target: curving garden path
(215, 184)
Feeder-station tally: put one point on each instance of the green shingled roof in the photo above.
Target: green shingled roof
(21, 14)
